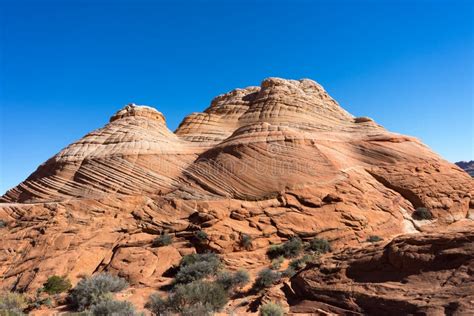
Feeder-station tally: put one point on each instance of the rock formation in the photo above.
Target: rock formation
(467, 166)
(272, 162)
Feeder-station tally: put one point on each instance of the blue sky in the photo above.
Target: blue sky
(67, 66)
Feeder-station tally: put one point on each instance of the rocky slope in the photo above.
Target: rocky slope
(272, 162)
(467, 166)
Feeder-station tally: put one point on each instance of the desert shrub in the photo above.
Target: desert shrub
(271, 309)
(289, 249)
(162, 240)
(12, 303)
(113, 307)
(197, 266)
(266, 278)
(93, 290)
(246, 242)
(276, 263)
(230, 281)
(199, 297)
(319, 245)
(56, 284)
(299, 263)
(422, 213)
(157, 305)
(3, 223)
(374, 238)
(289, 272)
(201, 236)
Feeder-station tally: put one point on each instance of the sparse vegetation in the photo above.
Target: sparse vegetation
(197, 266)
(289, 272)
(300, 263)
(201, 297)
(266, 278)
(246, 242)
(289, 249)
(276, 263)
(271, 309)
(162, 240)
(374, 239)
(422, 213)
(12, 303)
(3, 223)
(319, 245)
(113, 307)
(94, 290)
(56, 284)
(201, 236)
(230, 281)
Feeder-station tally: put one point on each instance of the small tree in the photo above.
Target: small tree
(162, 240)
(57, 284)
(271, 309)
(3, 223)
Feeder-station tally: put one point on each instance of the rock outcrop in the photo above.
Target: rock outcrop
(467, 166)
(427, 274)
(272, 162)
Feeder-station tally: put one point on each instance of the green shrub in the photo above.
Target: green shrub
(276, 263)
(246, 242)
(162, 240)
(374, 238)
(3, 223)
(113, 307)
(199, 297)
(271, 309)
(266, 278)
(230, 281)
(157, 305)
(197, 266)
(422, 213)
(289, 249)
(201, 236)
(57, 284)
(298, 264)
(12, 303)
(319, 245)
(289, 272)
(93, 290)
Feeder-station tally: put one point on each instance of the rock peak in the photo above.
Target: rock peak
(133, 110)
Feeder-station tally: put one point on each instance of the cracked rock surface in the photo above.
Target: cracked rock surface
(271, 162)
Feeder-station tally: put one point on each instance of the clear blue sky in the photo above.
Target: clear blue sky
(67, 66)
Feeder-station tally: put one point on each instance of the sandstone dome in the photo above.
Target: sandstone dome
(280, 160)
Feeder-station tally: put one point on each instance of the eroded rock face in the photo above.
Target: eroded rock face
(272, 162)
(424, 274)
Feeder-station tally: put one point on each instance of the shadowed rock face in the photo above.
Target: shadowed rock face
(467, 166)
(271, 162)
(427, 274)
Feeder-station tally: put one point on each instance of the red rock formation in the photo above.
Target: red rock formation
(428, 274)
(272, 162)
